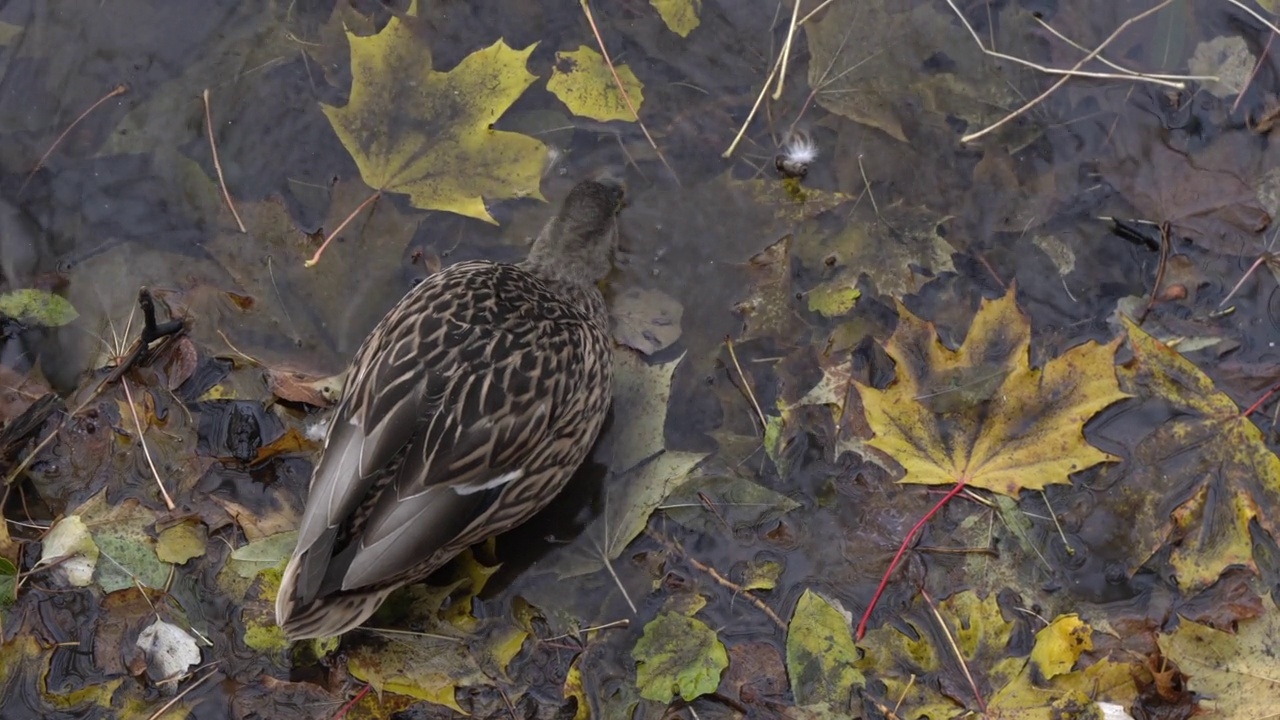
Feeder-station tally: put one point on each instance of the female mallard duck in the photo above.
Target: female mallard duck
(465, 412)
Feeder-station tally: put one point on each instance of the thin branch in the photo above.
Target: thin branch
(746, 384)
(342, 226)
(168, 501)
(115, 92)
(786, 49)
(1063, 81)
(1121, 68)
(586, 8)
(674, 547)
(955, 650)
(217, 164)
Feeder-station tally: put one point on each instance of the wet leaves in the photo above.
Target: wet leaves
(1225, 475)
(821, 657)
(678, 656)
(1234, 671)
(647, 320)
(37, 307)
(582, 81)
(428, 134)
(980, 414)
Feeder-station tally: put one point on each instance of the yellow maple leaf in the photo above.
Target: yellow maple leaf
(981, 414)
(583, 82)
(429, 134)
(1204, 475)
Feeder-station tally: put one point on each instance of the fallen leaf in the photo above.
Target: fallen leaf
(8, 583)
(1233, 673)
(1228, 59)
(582, 81)
(429, 134)
(869, 59)
(179, 543)
(645, 319)
(70, 546)
(322, 392)
(1204, 474)
(821, 656)
(269, 552)
(37, 307)
(169, 650)
(741, 502)
(980, 414)
(641, 391)
(767, 311)
(678, 656)
(1060, 644)
(680, 16)
(1212, 206)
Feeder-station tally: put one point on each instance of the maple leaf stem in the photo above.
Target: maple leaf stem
(116, 91)
(217, 164)
(902, 549)
(1261, 400)
(329, 238)
(352, 703)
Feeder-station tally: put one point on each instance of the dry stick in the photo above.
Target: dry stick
(177, 698)
(1164, 260)
(786, 50)
(624, 622)
(217, 164)
(168, 501)
(1255, 15)
(764, 89)
(1262, 58)
(1127, 75)
(115, 92)
(746, 384)
(955, 650)
(586, 8)
(674, 547)
(1121, 68)
(902, 549)
(1063, 81)
(328, 239)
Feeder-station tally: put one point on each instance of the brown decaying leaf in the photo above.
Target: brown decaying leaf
(980, 414)
(293, 386)
(1199, 478)
(768, 311)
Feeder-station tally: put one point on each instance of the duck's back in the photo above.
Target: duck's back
(465, 412)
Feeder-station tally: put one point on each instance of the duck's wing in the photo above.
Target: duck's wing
(442, 411)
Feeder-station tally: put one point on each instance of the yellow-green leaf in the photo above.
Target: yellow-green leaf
(821, 654)
(582, 81)
(1059, 645)
(678, 655)
(181, 542)
(680, 16)
(37, 307)
(981, 414)
(429, 134)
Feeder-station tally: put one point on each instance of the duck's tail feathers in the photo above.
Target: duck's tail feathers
(326, 616)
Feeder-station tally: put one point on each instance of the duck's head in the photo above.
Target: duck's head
(579, 243)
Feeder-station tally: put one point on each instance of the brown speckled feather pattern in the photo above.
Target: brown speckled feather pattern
(466, 411)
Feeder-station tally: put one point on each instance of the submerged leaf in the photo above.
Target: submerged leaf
(181, 542)
(678, 656)
(647, 320)
(1236, 670)
(37, 307)
(582, 81)
(680, 16)
(980, 414)
(1060, 644)
(70, 546)
(169, 650)
(821, 656)
(429, 134)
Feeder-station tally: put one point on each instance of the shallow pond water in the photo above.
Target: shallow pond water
(1109, 192)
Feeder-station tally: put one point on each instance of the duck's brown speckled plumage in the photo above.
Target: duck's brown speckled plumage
(466, 411)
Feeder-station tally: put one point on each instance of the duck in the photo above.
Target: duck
(466, 411)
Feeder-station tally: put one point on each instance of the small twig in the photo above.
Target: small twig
(217, 164)
(1070, 550)
(1123, 69)
(168, 501)
(786, 49)
(1063, 81)
(1126, 74)
(955, 650)
(746, 384)
(586, 8)
(115, 92)
(604, 556)
(674, 547)
(624, 622)
(342, 226)
(1164, 260)
(1262, 58)
(764, 88)
(902, 549)
(178, 698)
(867, 183)
(1262, 400)
(1256, 16)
